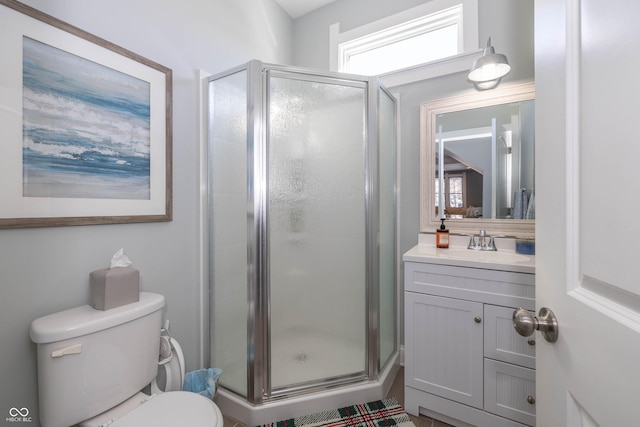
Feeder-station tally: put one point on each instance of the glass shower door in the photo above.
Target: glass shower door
(228, 195)
(387, 231)
(316, 228)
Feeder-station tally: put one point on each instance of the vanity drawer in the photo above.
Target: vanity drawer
(509, 391)
(502, 342)
(505, 288)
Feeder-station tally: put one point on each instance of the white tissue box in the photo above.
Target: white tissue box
(113, 287)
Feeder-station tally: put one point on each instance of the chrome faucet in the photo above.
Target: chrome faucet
(482, 243)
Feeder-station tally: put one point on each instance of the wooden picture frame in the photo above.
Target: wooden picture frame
(429, 113)
(85, 127)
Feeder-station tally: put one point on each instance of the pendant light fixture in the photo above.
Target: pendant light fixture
(487, 70)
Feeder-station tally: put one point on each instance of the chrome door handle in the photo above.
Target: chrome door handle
(526, 323)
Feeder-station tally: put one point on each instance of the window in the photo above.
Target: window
(456, 199)
(426, 39)
(427, 34)
(454, 194)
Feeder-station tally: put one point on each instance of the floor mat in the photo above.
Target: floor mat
(380, 413)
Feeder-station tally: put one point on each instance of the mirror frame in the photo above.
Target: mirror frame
(429, 111)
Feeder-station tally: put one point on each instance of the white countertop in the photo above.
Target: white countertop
(505, 258)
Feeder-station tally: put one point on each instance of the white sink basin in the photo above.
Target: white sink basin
(501, 260)
(487, 256)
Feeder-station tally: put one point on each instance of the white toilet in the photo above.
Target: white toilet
(93, 364)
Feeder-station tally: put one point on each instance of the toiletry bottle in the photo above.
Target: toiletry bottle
(442, 236)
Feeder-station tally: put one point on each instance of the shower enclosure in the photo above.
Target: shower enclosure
(302, 254)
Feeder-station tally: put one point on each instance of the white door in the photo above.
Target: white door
(588, 210)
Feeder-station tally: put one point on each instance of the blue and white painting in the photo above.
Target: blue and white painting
(86, 128)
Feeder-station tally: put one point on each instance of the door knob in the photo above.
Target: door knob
(526, 323)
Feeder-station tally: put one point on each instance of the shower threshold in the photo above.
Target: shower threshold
(236, 407)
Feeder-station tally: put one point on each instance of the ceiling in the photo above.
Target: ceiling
(297, 8)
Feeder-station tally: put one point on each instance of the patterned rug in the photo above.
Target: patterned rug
(381, 413)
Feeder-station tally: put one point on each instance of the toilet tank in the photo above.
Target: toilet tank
(91, 360)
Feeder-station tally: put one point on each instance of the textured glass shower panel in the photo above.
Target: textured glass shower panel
(387, 188)
(228, 228)
(316, 211)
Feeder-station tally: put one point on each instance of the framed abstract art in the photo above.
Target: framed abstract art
(85, 127)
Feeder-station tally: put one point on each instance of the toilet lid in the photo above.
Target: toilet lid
(176, 408)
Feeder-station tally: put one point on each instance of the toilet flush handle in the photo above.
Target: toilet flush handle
(73, 349)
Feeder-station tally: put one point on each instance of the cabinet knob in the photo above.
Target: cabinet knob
(531, 341)
(477, 319)
(531, 399)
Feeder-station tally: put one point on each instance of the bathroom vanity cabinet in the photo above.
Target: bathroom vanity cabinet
(464, 362)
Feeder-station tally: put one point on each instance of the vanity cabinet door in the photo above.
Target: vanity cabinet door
(444, 347)
(502, 342)
(510, 391)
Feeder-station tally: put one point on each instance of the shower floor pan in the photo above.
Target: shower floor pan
(236, 407)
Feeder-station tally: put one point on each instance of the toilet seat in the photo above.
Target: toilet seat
(173, 371)
(173, 409)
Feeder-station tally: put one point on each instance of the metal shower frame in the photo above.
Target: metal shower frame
(259, 388)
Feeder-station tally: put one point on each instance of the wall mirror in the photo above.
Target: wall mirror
(477, 162)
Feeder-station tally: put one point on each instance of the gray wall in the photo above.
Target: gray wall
(509, 23)
(46, 270)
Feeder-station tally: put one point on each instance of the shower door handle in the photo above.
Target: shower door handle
(526, 323)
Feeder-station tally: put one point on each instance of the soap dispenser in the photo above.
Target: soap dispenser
(442, 236)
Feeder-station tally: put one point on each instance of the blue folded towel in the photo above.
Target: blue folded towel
(520, 205)
(531, 210)
(202, 381)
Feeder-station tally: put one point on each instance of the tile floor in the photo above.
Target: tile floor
(396, 391)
